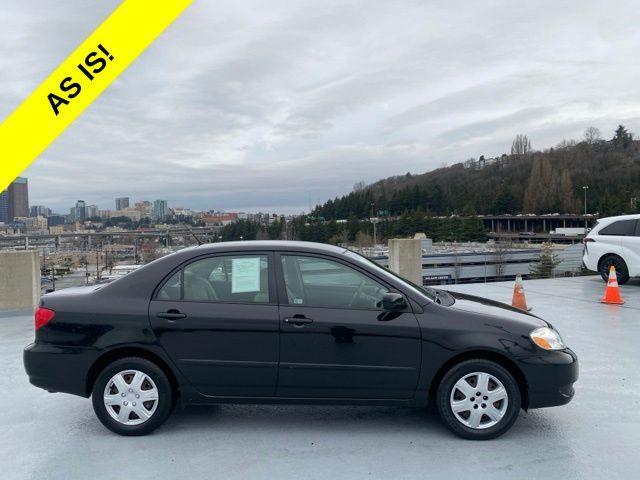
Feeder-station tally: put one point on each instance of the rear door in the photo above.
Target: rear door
(217, 317)
(336, 340)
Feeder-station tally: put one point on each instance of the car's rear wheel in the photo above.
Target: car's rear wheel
(478, 399)
(622, 272)
(132, 396)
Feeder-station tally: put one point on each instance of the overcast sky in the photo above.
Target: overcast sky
(279, 105)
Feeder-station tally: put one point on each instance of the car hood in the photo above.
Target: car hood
(483, 306)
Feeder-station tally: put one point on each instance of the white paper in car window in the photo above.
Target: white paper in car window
(245, 274)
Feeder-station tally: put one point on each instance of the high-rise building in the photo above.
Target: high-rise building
(14, 201)
(54, 220)
(35, 225)
(91, 211)
(160, 209)
(145, 207)
(122, 203)
(4, 207)
(39, 211)
(19, 198)
(79, 212)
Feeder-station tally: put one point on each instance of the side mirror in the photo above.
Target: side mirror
(393, 301)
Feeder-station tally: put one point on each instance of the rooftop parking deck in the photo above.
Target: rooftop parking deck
(596, 436)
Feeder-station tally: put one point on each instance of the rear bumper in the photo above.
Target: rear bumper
(550, 378)
(59, 368)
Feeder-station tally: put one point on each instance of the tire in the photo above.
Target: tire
(493, 419)
(142, 378)
(622, 272)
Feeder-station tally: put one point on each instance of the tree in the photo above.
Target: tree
(359, 186)
(564, 144)
(622, 137)
(363, 239)
(261, 234)
(592, 135)
(547, 263)
(500, 257)
(534, 192)
(277, 229)
(521, 145)
(340, 237)
(505, 202)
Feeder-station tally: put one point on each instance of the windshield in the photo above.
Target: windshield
(428, 292)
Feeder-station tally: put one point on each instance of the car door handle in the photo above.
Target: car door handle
(171, 315)
(298, 321)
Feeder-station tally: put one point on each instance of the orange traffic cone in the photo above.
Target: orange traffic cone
(612, 293)
(519, 301)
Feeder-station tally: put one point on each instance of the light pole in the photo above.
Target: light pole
(373, 220)
(585, 188)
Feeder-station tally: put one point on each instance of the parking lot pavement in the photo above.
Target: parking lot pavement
(596, 436)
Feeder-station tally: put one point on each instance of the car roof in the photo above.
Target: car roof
(291, 245)
(634, 216)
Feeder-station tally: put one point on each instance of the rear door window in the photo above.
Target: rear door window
(171, 290)
(223, 278)
(621, 228)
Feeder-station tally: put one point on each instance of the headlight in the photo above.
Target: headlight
(547, 338)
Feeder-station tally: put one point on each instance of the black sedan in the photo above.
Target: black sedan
(292, 322)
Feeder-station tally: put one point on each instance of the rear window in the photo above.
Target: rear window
(621, 227)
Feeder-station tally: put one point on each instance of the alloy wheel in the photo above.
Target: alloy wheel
(131, 397)
(479, 400)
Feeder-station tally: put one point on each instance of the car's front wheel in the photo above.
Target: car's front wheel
(132, 396)
(478, 399)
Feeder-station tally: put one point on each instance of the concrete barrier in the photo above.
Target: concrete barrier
(19, 280)
(405, 258)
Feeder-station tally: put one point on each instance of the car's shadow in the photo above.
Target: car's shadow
(300, 416)
(323, 418)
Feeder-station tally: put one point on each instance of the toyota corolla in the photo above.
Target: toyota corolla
(292, 322)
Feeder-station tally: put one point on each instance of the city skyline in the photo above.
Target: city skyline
(63, 208)
(157, 208)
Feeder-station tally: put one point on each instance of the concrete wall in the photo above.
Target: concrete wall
(19, 280)
(405, 258)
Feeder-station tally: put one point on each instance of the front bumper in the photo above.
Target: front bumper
(550, 378)
(59, 368)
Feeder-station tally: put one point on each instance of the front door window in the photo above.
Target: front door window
(319, 282)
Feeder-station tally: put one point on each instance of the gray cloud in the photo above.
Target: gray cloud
(279, 105)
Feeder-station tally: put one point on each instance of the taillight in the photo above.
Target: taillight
(43, 316)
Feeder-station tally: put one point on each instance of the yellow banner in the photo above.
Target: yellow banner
(79, 80)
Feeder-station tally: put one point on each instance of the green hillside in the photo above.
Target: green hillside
(531, 182)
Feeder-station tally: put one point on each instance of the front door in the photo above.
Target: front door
(217, 317)
(336, 340)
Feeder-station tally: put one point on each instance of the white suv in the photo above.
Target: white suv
(614, 241)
